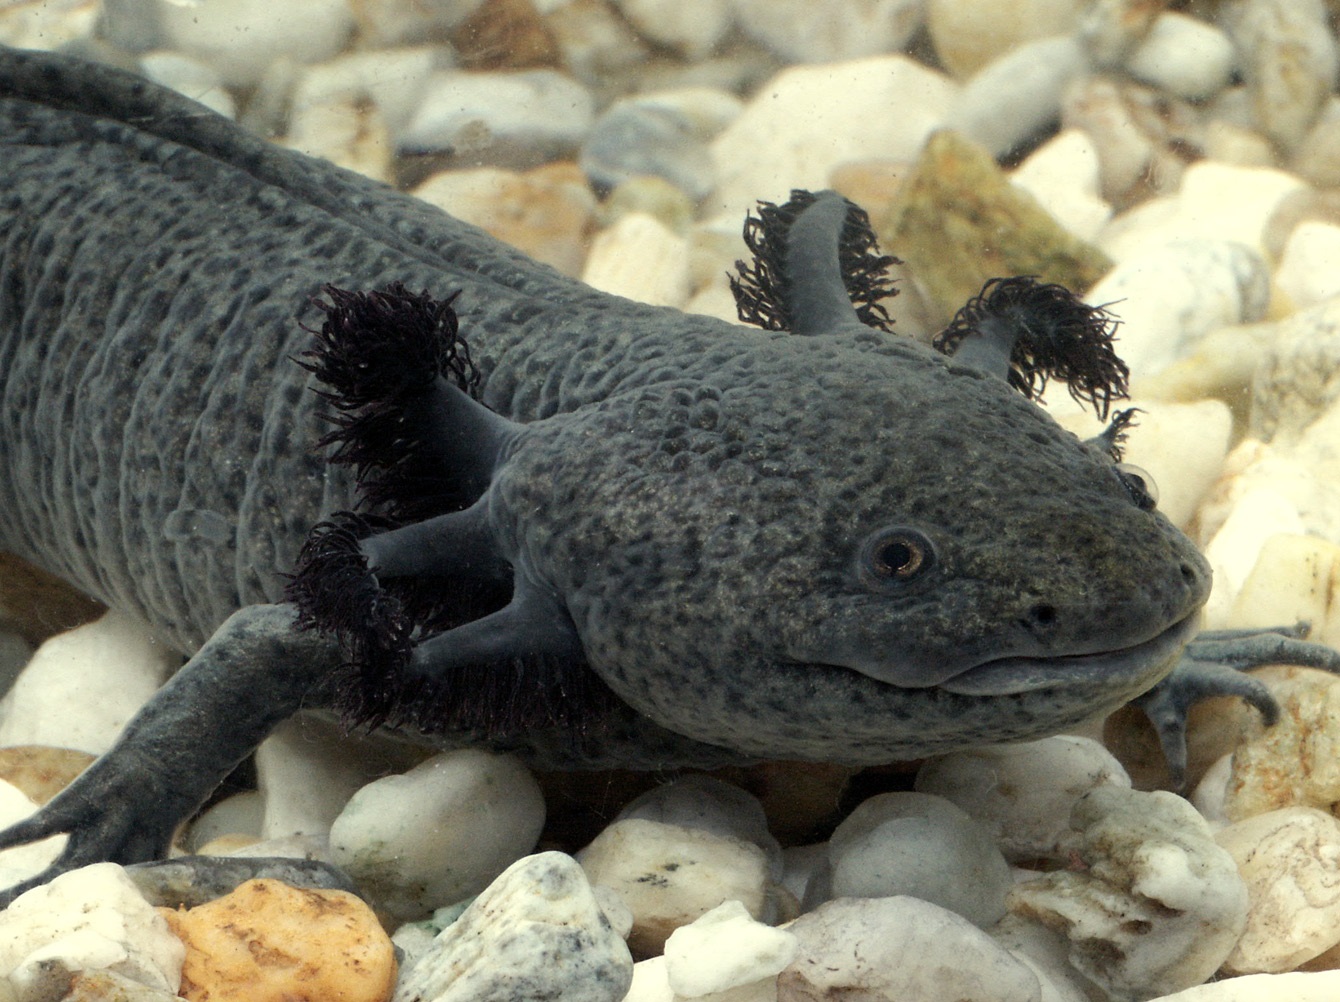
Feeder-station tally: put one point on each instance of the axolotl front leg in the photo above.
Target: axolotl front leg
(257, 670)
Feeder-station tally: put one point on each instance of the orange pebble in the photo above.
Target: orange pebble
(269, 942)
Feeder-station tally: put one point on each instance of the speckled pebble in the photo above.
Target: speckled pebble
(899, 948)
(1290, 860)
(90, 918)
(669, 875)
(1023, 793)
(1157, 906)
(41, 771)
(917, 845)
(268, 942)
(440, 832)
(535, 934)
(502, 119)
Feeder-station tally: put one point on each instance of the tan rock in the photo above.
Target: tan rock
(269, 942)
(42, 772)
(958, 221)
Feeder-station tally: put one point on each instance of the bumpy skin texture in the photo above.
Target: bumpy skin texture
(697, 495)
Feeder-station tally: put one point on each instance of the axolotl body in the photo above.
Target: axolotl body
(665, 539)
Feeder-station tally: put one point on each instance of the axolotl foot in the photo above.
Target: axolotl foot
(1212, 665)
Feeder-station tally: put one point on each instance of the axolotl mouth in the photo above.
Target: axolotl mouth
(1151, 658)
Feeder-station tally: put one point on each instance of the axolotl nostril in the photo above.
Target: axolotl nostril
(588, 531)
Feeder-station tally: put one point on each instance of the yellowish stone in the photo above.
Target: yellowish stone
(269, 942)
(958, 221)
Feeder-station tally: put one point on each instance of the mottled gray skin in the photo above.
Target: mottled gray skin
(696, 494)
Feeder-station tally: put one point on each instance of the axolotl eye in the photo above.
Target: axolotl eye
(1139, 484)
(895, 554)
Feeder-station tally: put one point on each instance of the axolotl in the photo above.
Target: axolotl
(559, 523)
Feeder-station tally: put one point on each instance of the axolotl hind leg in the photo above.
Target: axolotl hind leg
(254, 672)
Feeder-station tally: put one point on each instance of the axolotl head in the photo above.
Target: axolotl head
(841, 547)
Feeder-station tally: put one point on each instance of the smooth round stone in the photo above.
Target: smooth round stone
(440, 832)
(802, 31)
(1168, 297)
(1298, 374)
(1022, 794)
(1129, 155)
(1262, 512)
(81, 687)
(1289, 59)
(189, 881)
(1320, 987)
(900, 948)
(239, 815)
(711, 805)
(641, 259)
(191, 77)
(1157, 905)
(632, 139)
(1017, 96)
(1309, 270)
(1317, 159)
(1184, 56)
(1296, 578)
(725, 949)
(807, 120)
(547, 212)
(269, 942)
(1063, 174)
(1290, 859)
(917, 845)
(669, 875)
(1044, 953)
(240, 38)
(40, 771)
(1110, 29)
(693, 30)
(968, 35)
(93, 917)
(505, 119)
(536, 932)
(23, 861)
(1214, 202)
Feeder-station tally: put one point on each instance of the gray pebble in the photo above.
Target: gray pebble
(633, 140)
(188, 881)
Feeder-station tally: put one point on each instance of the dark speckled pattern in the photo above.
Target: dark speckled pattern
(697, 500)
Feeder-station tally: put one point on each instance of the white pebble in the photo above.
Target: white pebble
(83, 686)
(1289, 60)
(440, 832)
(191, 77)
(1158, 905)
(87, 919)
(1215, 202)
(642, 259)
(1023, 793)
(1258, 515)
(241, 38)
(710, 805)
(1015, 97)
(1063, 174)
(809, 119)
(669, 875)
(1112, 28)
(308, 768)
(536, 932)
(1323, 986)
(23, 861)
(725, 949)
(900, 948)
(1184, 56)
(968, 34)
(1295, 579)
(693, 30)
(1309, 268)
(1169, 296)
(504, 119)
(918, 845)
(1290, 860)
(802, 31)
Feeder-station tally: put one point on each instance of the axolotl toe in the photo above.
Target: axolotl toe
(575, 527)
